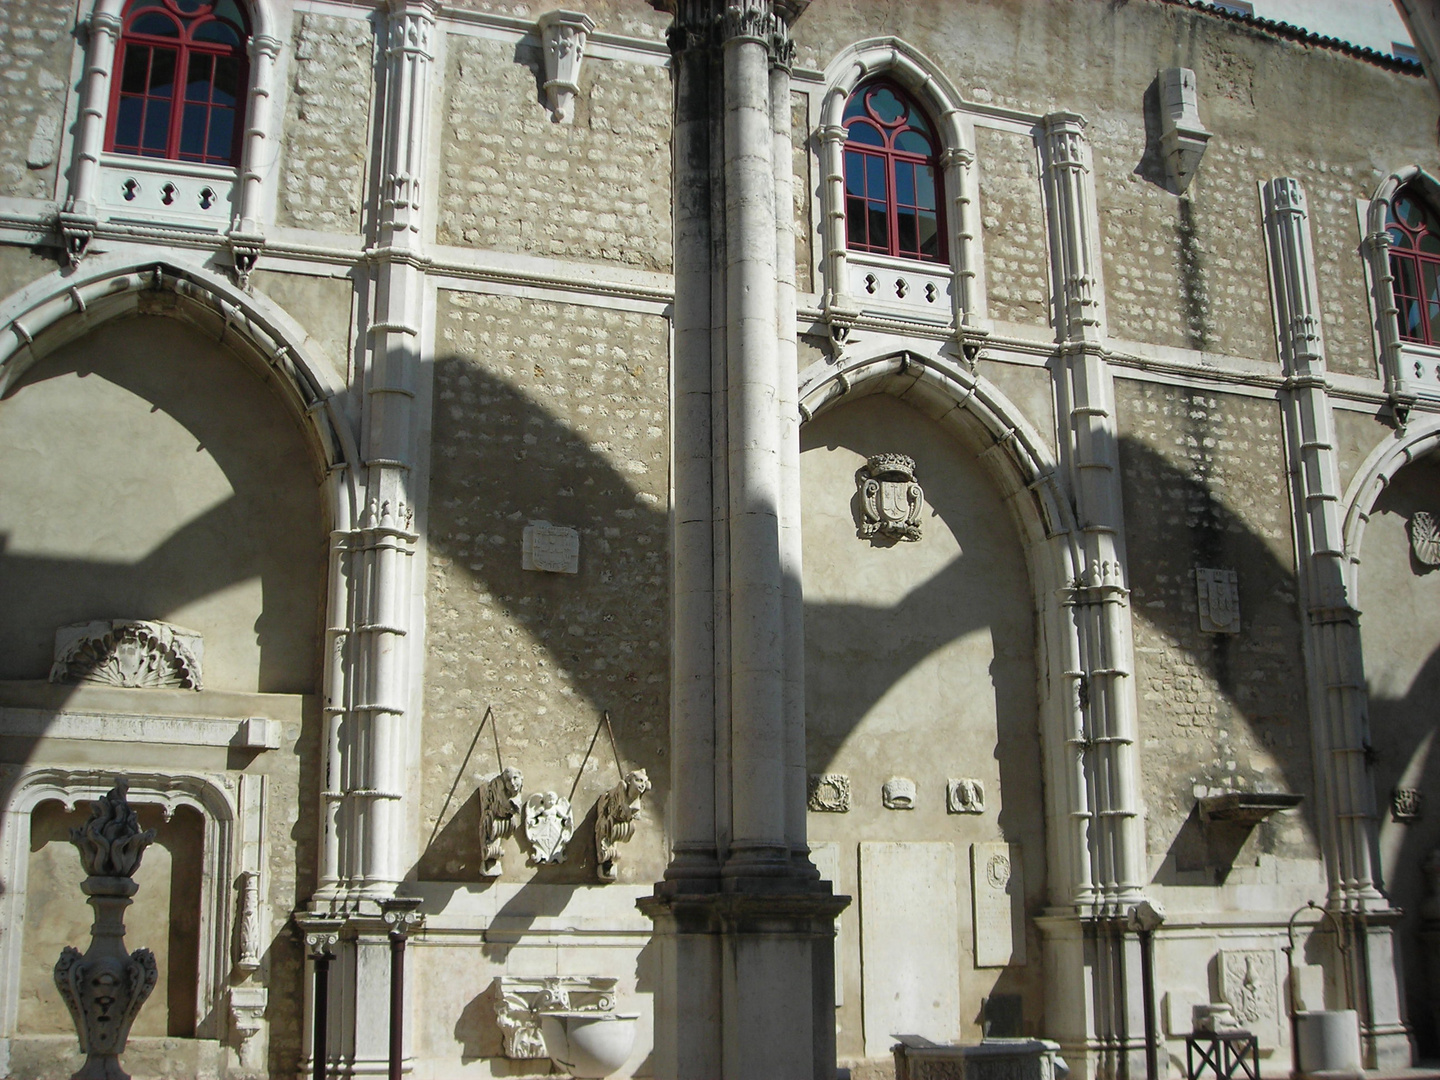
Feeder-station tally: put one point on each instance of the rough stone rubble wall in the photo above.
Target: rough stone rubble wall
(597, 190)
(325, 129)
(1205, 486)
(1017, 267)
(557, 413)
(35, 51)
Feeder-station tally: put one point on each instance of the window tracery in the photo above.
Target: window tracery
(1414, 231)
(893, 184)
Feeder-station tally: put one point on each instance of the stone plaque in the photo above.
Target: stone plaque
(1218, 594)
(551, 548)
(909, 943)
(1250, 985)
(997, 892)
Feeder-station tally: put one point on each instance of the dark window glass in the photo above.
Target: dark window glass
(890, 160)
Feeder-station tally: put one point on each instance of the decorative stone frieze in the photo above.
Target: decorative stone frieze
(563, 35)
(964, 796)
(615, 817)
(1182, 136)
(829, 793)
(1425, 538)
(1218, 596)
(1406, 804)
(105, 987)
(898, 793)
(128, 652)
(549, 823)
(500, 806)
(519, 1003)
(890, 498)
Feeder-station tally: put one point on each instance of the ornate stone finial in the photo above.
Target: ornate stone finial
(111, 842)
(615, 817)
(128, 652)
(890, 498)
(548, 824)
(500, 805)
(104, 988)
(563, 34)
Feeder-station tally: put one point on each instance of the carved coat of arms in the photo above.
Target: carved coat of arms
(890, 498)
(549, 824)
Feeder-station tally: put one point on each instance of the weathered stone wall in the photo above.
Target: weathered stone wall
(35, 50)
(611, 16)
(919, 663)
(597, 190)
(1204, 485)
(555, 413)
(324, 154)
(1183, 272)
(1017, 263)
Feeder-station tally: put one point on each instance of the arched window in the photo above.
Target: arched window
(182, 76)
(893, 184)
(1415, 266)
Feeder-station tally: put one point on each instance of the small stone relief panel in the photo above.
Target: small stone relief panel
(1250, 985)
(551, 549)
(997, 892)
(519, 1003)
(1405, 804)
(964, 796)
(1218, 593)
(1425, 539)
(890, 498)
(128, 652)
(898, 793)
(500, 809)
(829, 793)
(248, 940)
(549, 824)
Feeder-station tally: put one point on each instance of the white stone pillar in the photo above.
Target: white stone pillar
(1100, 604)
(78, 219)
(741, 951)
(1334, 663)
(264, 50)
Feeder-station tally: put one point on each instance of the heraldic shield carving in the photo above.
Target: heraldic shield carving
(890, 499)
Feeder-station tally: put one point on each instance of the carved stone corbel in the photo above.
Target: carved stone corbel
(519, 1003)
(563, 35)
(500, 806)
(615, 817)
(247, 1014)
(245, 252)
(1182, 137)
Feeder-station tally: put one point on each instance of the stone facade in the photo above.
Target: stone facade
(974, 630)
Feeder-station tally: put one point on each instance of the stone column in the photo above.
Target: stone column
(742, 922)
(1099, 600)
(79, 218)
(1334, 664)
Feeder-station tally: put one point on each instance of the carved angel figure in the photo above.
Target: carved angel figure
(615, 817)
(499, 807)
(890, 499)
(1425, 538)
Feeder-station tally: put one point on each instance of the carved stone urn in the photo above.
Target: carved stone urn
(105, 987)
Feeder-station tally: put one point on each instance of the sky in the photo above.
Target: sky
(1372, 24)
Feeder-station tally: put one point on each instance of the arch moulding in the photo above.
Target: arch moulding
(1015, 456)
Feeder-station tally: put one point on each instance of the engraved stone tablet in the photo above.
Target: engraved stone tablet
(1218, 594)
(997, 892)
(551, 548)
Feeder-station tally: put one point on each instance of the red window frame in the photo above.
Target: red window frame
(156, 113)
(894, 189)
(1415, 266)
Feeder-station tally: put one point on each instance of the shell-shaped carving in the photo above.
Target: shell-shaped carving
(1425, 538)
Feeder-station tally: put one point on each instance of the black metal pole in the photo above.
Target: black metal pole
(397, 1003)
(1147, 979)
(322, 1010)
